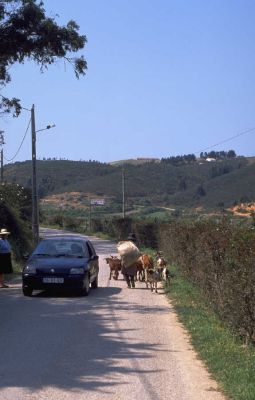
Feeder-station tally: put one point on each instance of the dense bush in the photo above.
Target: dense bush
(15, 216)
(118, 228)
(219, 258)
(63, 221)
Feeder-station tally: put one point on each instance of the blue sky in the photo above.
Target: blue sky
(164, 78)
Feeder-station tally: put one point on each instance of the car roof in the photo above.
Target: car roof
(66, 237)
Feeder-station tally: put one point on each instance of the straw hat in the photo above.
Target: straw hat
(4, 232)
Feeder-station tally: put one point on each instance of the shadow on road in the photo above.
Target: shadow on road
(72, 343)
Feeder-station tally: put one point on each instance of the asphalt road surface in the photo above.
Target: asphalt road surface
(117, 343)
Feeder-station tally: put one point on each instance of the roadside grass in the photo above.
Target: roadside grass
(230, 362)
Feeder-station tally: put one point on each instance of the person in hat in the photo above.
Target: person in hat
(5, 257)
(132, 237)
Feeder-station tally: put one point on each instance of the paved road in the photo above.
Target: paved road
(115, 344)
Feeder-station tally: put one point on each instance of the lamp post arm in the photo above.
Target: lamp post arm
(45, 129)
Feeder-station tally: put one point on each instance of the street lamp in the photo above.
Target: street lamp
(35, 211)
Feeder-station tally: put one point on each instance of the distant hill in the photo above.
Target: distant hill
(135, 161)
(225, 190)
(206, 184)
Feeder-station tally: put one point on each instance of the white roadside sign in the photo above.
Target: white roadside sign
(97, 202)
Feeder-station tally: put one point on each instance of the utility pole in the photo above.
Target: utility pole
(35, 208)
(89, 214)
(123, 193)
(35, 212)
(2, 156)
(2, 166)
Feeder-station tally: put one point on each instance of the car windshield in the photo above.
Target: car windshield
(58, 248)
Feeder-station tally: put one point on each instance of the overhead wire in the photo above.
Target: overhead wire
(17, 152)
(227, 140)
(197, 152)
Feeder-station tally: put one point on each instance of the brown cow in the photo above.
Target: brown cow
(143, 262)
(115, 266)
(147, 261)
(140, 270)
(153, 275)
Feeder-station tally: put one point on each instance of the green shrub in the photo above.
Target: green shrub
(15, 216)
(219, 258)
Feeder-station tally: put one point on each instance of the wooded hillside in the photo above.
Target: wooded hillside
(207, 184)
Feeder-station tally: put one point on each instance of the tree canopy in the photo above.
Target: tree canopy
(27, 33)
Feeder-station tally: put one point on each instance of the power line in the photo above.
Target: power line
(226, 140)
(9, 160)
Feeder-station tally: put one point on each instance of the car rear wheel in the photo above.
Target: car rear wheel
(85, 289)
(27, 291)
(94, 284)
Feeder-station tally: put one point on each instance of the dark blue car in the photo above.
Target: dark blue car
(61, 262)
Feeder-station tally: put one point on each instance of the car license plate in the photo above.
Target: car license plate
(53, 280)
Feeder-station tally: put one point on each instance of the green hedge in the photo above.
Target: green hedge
(215, 255)
(15, 216)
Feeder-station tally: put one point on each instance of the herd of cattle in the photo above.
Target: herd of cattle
(146, 270)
